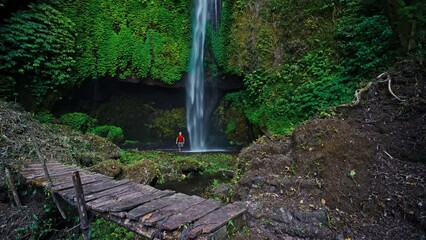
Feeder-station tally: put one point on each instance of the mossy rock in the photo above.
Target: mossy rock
(186, 165)
(236, 127)
(112, 168)
(143, 172)
(87, 158)
(222, 191)
(103, 148)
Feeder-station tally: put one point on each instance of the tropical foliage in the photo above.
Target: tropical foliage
(37, 51)
(296, 65)
(131, 39)
(296, 57)
(57, 44)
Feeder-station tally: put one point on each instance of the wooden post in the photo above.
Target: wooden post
(81, 205)
(47, 175)
(13, 188)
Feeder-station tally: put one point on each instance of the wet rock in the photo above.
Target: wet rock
(258, 180)
(302, 224)
(222, 191)
(312, 217)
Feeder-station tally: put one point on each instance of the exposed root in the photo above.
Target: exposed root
(358, 92)
(389, 80)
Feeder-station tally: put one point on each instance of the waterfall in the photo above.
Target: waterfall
(197, 119)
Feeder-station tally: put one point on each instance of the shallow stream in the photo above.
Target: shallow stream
(195, 185)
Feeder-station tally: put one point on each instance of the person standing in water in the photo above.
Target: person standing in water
(180, 141)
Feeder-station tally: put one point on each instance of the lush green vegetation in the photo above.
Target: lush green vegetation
(37, 51)
(174, 167)
(299, 58)
(113, 133)
(54, 45)
(78, 121)
(131, 39)
(83, 123)
(103, 229)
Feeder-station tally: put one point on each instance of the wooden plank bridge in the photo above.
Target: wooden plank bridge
(141, 208)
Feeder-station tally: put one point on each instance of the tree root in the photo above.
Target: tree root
(358, 92)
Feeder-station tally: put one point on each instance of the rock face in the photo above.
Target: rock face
(234, 124)
(282, 204)
(132, 104)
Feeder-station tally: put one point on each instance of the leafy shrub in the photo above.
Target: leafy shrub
(113, 133)
(44, 117)
(103, 229)
(78, 121)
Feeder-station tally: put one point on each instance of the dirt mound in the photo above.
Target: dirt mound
(397, 127)
(339, 156)
(360, 174)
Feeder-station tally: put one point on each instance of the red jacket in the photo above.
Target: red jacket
(180, 138)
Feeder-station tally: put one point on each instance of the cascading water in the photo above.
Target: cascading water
(195, 121)
(196, 115)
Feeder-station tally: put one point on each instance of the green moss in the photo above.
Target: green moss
(234, 123)
(175, 167)
(112, 168)
(168, 122)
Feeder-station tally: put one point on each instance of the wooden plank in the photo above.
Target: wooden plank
(39, 172)
(181, 205)
(216, 219)
(115, 190)
(85, 180)
(104, 204)
(103, 185)
(56, 173)
(92, 188)
(126, 201)
(113, 196)
(40, 168)
(40, 165)
(195, 212)
(83, 175)
(134, 202)
(152, 206)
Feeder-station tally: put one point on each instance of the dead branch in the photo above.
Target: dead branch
(13, 188)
